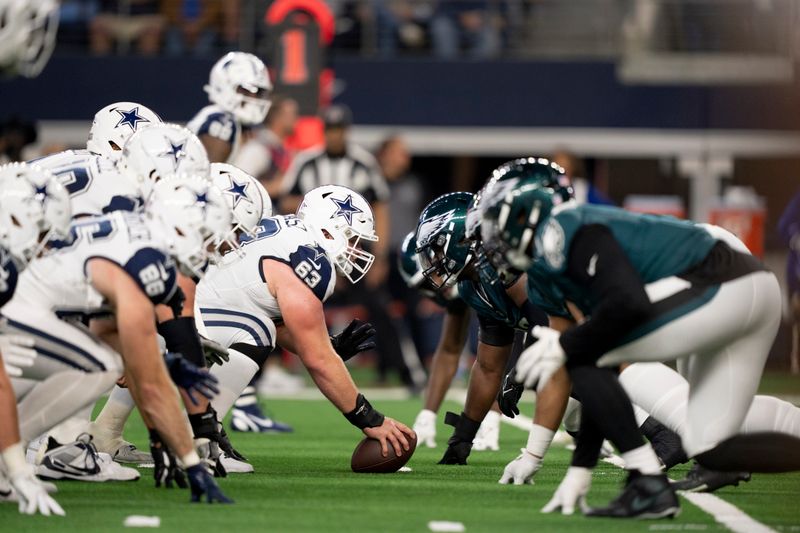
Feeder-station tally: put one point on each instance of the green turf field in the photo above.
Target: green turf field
(303, 483)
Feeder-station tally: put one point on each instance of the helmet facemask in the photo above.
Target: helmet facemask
(439, 269)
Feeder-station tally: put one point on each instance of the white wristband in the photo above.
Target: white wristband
(14, 459)
(190, 459)
(539, 440)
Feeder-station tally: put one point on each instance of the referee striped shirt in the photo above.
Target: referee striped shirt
(356, 169)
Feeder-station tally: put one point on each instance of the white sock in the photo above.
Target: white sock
(109, 424)
(640, 414)
(572, 416)
(539, 440)
(233, 377)
(642, 459)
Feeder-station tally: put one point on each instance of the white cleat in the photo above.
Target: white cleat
(235, 466)
(80, 461)
(488, 436)
(276, 380)
(130, 454)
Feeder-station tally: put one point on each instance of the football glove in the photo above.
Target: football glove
(202, 484)
(210, 456)
(425, 428)
(32, 494)
(509, 395)
(355, 338)
(189, 377)
(208, 439)
(166, 469)
(572, 491)
(17, 352)
(216, 354)
(521, 470)
(539, 362)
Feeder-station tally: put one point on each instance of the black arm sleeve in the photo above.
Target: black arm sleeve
(180, 335)
(535, 315)
(597, 261)
(494, 333)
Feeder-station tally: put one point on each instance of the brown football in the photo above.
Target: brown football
(367, 457)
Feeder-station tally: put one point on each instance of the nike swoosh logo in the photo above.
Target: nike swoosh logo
(639, 504)
(506, 391)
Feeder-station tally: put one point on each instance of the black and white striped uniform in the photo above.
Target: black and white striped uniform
(356, 169)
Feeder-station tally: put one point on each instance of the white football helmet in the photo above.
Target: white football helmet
(241, 192)
(266, 201)
(193, 218)
(163, 150)
(27, 35)
(114, 124)
(239, 83)
(34, 209)
(339, 218)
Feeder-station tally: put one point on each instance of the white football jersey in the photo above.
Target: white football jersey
(214, 121)
(236, 284)
(94, 184)
(59, 281)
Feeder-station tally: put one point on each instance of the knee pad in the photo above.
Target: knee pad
(572, 416)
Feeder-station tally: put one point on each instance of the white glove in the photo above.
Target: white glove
(521, 470)
(539, 362)
(425, 428)
(17, 352)
(572, 490)
(32, 494)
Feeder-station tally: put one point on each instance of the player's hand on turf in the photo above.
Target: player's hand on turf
(539, 362)
(32, 494)
(425, 428)
(166, 470)
(509, 395)
(391, 433)
(356, 338)
(17, 352)
(521, 470)
(571, 492)
(190, 377)
(216, 354)
(203, 486)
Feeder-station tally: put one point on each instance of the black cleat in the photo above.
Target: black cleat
(700, 479)
(666, 443)
(644, 496)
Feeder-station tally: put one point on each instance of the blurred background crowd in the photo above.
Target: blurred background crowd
(712, 84)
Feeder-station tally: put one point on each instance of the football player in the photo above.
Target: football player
(24, 221)
(284, 275)
(239, 91)
(654, 289)
(449, 257)
(122, 264)
(91, 176)
(445, 361)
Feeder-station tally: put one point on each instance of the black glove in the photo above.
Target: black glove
(202, 484)
(166, 469)
(216, 354)
(509, 395)
(460, 443)
(355, 338)
(189, 377)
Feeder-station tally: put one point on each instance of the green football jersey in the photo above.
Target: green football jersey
(656, 246)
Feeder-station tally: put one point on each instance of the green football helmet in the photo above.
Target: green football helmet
(443, 248)
(509, 221)
(507, 175)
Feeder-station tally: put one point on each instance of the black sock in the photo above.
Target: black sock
(605, 402)
(666, 443)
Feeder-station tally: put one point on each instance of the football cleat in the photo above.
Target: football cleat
(700, 479)
(235, 466)
(130, 454)
(81, 461)
(251, 419)
(488, 436)
(644, 496)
